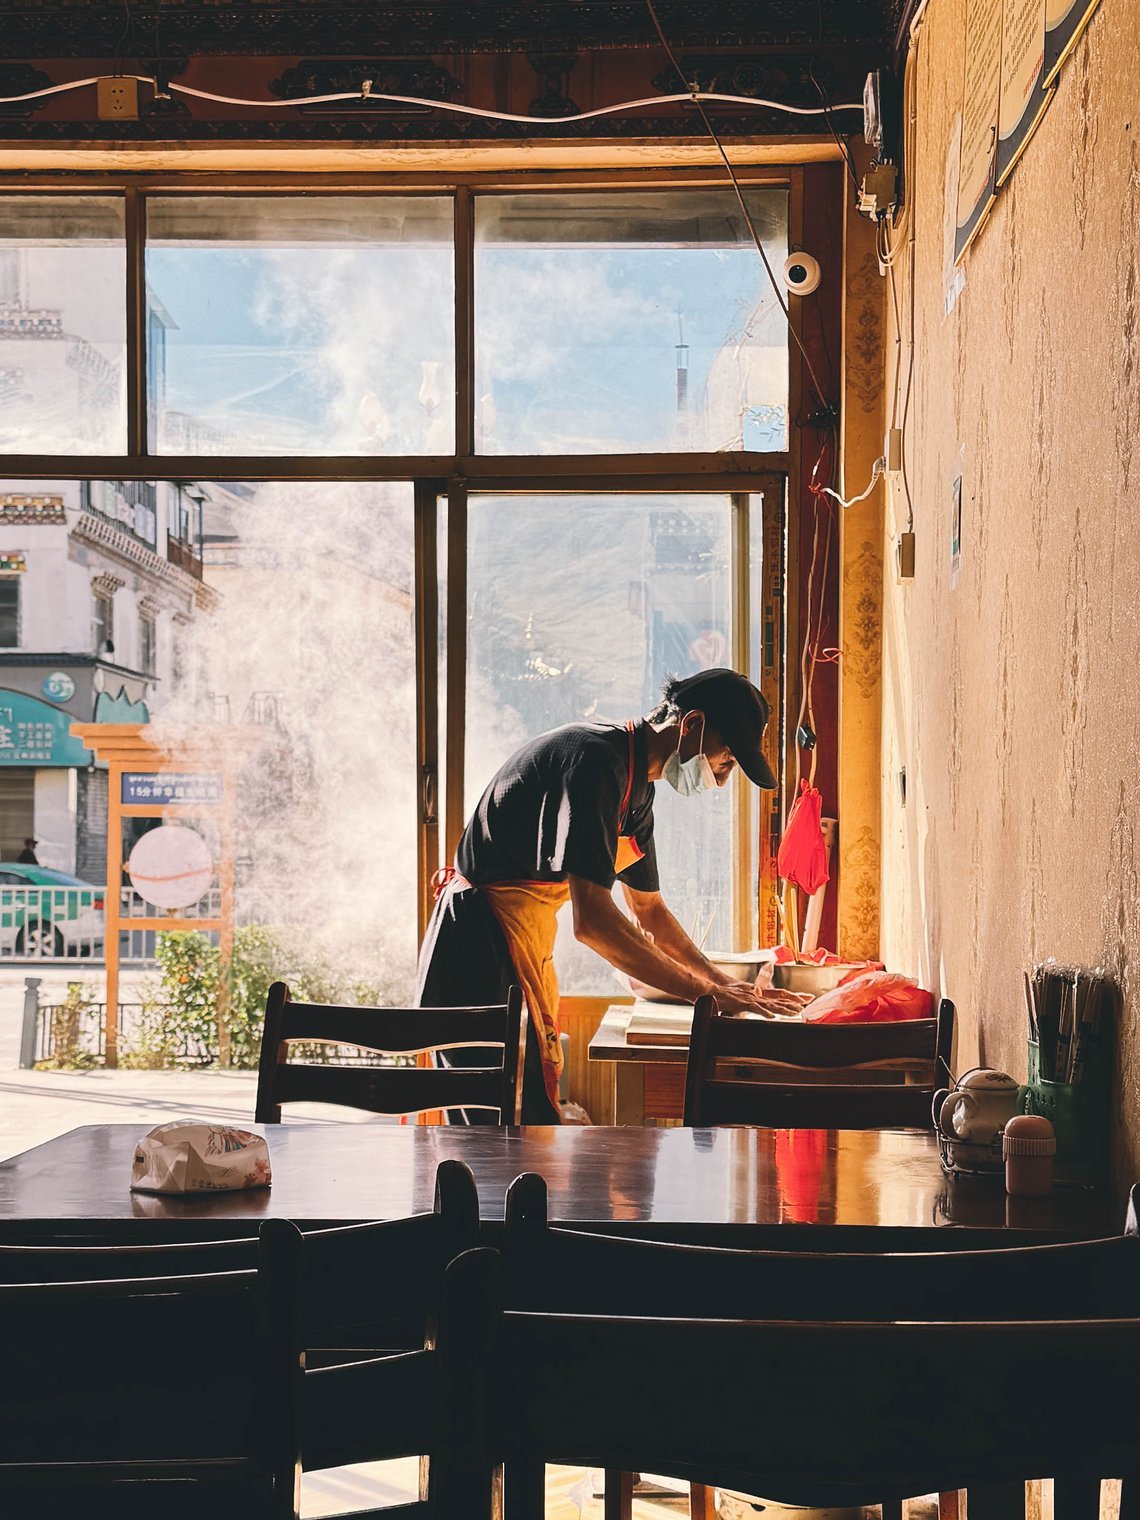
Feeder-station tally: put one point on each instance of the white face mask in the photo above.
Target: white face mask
(688, 777)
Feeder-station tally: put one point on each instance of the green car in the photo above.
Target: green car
(46, 914)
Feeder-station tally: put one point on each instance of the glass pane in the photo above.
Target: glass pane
(286, 325)
(579, 607)
(629, 322)
(274, 616)
(62, 325)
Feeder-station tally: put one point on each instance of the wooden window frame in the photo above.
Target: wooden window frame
(741, 474)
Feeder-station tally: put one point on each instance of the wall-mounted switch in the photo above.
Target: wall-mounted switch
(905, 552)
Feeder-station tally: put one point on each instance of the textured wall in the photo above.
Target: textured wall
(1014, 700)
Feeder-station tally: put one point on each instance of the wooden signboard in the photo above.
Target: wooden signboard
(1022, 98)
(977, 176)
(1065, 20)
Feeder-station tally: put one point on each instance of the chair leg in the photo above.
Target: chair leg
(996, 1501)
(702, 1502)
(950, 1504)
(618, 1503)
(1076, 1499)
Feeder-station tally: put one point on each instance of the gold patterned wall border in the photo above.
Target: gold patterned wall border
(863, 343)
(859, 867)
(863, 620)
(1078, 658)
(1041, 426)
(1007, 684)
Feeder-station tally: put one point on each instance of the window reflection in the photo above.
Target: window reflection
(626, 322)
(321, 325)
(62, 325)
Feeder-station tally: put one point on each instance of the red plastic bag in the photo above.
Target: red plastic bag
(876, 997)
(802, 856)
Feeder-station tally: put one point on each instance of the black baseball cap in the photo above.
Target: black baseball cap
(738, 712)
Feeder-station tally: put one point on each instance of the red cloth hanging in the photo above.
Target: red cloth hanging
(802, 857)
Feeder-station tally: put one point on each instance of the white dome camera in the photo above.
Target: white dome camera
(801, 274)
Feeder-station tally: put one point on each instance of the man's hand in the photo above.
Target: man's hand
(746, 997)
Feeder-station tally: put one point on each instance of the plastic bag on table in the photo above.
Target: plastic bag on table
(876, 997)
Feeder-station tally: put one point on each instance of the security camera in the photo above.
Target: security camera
(801, 274)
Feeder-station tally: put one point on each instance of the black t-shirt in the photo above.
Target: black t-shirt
(554, 810)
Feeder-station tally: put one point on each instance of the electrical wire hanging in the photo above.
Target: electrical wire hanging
(698, 98)
(366, 92)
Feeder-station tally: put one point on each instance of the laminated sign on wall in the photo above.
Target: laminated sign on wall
(1065, 20)
(977, 172)
(1023, 98)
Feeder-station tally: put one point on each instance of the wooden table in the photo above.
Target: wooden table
(648, 1080)
(746, 1185)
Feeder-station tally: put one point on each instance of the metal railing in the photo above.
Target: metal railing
(72, 1033)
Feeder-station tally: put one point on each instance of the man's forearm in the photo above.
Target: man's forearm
(622, 944)
(669, 936)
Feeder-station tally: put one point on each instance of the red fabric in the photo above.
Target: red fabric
(874, 997)
(802, 858)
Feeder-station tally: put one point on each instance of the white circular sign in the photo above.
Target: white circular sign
(171, 867)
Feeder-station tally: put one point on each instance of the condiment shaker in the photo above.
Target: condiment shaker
(1028, 1146)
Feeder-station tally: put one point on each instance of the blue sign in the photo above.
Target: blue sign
(171, 787)
(32, 733)
(58, 687)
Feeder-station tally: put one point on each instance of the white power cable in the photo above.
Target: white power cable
(877, 469)
(366, 92)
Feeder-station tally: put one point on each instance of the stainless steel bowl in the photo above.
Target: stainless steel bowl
(814, 979)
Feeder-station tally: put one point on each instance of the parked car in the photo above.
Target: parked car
(46, 913)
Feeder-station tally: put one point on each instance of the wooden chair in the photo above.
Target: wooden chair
(190, 1395)
(611, 1275)
(177, 1396)
(391, 1031)
(363, 1286)
(604, 1277)
(788, 1075)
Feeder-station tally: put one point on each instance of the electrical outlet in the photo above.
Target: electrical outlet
(117, 99)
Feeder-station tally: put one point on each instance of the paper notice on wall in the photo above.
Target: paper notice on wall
(1065, 20)
(955, 532)
(977, 181)
(1022, 99)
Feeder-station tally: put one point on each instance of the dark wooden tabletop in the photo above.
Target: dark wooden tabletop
(705, 1181)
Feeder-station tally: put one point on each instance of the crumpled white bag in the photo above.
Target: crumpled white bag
(188, 1157)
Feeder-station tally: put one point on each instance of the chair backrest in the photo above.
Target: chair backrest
(821, 1413)
(787, 1074)
(366, 1285)
(392, 1031)
(433, 1403)
(178, 1395)
(596, 1274)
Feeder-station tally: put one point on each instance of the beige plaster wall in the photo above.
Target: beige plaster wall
(1013, 701)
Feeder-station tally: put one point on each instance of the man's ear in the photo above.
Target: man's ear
(692, 721)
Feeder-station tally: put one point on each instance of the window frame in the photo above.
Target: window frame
(445, 478)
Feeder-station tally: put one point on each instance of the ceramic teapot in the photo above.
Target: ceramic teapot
(977, 1106)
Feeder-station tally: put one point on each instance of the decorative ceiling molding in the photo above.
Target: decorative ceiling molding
(87, 29)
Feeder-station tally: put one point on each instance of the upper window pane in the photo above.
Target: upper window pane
(301, 325)
(62, 325)
(629, 322)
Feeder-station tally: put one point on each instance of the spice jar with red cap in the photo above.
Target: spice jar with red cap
(1028, 1146)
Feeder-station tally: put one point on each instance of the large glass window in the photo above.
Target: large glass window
(579, 610)
(628, 322)
(290, 325)
(62, 325)
(9, 612)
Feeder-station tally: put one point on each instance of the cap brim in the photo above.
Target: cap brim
(757, 769)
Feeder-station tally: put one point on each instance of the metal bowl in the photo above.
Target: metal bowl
(740, 965)
(814, 979)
